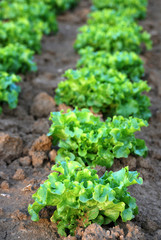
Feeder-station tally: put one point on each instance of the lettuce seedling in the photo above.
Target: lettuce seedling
(125, 36)
(16, 58)
(106, 91)
(85, 138)
(81, 198)
(128, 63)
(138, 8)
(9, 91)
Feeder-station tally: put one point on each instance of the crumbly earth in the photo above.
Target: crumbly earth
(25, 153)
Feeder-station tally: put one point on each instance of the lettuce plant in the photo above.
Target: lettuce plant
(16, 58)
(41, 7)
(23, 32)
(84, 138)
(138, 7)
(9, 91)
(128, 63)
(61, 5)
(22, 25)
(124, 36)
(110, 16)
(106, 91)
(39, 13)
(81, 198)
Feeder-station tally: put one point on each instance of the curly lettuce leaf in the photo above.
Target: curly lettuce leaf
(80, 196)
(136, 8)
(111, 93)
(124, 36)
(90, 141)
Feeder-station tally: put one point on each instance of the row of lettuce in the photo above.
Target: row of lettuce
(22, 25)
(107, 80)
(109, 72)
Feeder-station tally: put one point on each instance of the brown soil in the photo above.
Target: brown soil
(25, 156)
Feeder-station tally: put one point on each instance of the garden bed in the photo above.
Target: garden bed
(29, 121)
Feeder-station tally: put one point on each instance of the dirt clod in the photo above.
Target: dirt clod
(42, 105)
(43, 143)
(5, 185)
(52, 155)
(128, 232)
(18, 215)
(25, 161)
(94, 232)
(11, 147)
(39, 150)
(38, 158)
(19, 174)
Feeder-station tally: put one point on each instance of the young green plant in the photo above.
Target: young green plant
(9, 91)
(138, 8)
(84, 138)
(107, 91)
(125, 36)
(82, 198)
(128, 63)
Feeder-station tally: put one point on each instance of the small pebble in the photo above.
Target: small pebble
(19, 174)
(38, 158)
(5, 195)
(25, 161)
(52, 155)
(27, 188)
(5, 185)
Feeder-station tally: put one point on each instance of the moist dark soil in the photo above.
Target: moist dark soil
(26, 156)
